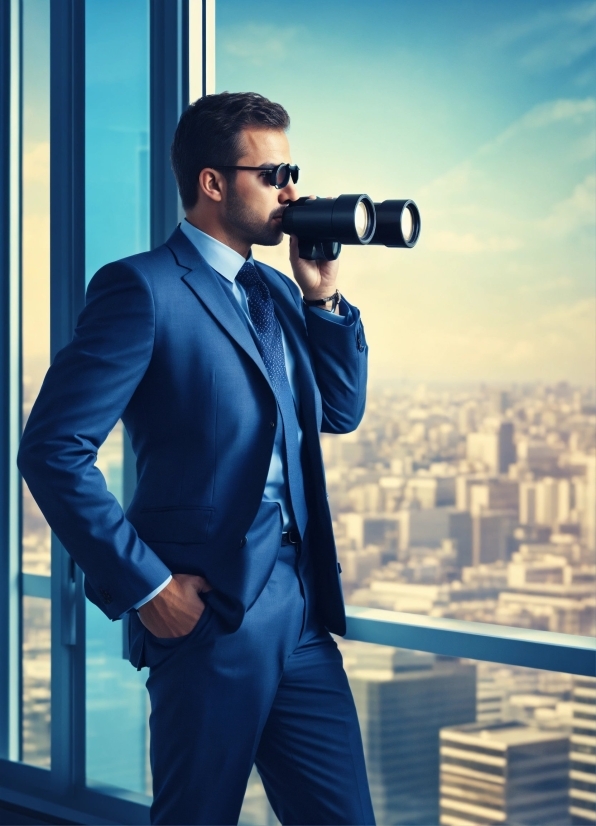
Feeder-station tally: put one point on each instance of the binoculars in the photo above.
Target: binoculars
(322, 225)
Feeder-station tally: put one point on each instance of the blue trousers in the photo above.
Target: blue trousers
(273, 693)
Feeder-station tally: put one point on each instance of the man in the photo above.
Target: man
(223, 374)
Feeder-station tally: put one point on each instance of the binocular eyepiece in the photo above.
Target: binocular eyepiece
(324, 224)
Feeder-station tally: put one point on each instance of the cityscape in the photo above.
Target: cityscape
(474, 503)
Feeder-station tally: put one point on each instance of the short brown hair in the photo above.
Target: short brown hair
(208, 134)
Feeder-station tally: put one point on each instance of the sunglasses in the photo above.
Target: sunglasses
(277, 176)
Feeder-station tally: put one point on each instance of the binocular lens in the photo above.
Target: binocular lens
(398, 224)
(361, 219)
(407, 224)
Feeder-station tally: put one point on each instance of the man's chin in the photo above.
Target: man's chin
(271, 239)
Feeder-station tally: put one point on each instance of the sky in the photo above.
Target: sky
(484, 114)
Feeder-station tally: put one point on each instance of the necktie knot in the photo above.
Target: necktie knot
(248, 275)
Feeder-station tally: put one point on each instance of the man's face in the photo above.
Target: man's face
(252, 207)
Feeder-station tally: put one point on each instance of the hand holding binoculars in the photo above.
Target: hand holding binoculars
(324, 224)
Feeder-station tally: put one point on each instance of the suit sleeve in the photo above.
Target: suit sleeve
(85, 392)
(339, 356)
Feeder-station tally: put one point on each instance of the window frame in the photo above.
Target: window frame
(182, 47)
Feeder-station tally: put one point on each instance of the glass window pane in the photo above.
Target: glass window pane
(460, 742)
(35, 339)
(469, 490)
(35, 344)
(36, 681)
(117, 224)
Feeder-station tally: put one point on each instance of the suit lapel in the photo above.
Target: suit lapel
(206, 285)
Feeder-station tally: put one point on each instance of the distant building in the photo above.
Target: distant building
(538, 457)
(499, 494)
(494, 448)
(583, 753)
(590, 510)
(403, 700)
(431, 491)
(492, 534)
(504, 773)
(431, 526)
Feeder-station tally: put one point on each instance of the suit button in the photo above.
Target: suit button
(271, 424)
(105, 595)
(242, 542)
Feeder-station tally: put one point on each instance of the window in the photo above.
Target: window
(117, 224)
(469, 490)
(35, 360)
(464, 505)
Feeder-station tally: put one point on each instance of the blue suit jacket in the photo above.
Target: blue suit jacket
(161, 345)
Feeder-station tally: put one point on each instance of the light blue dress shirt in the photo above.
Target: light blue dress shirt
(227, 262)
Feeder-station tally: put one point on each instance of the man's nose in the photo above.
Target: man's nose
(288, 193)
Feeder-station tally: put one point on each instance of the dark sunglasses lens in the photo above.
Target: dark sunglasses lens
(282, 175)
(294, 172)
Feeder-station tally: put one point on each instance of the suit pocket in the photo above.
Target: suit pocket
(183, 525)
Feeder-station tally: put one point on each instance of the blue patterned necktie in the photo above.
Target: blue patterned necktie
(269, 341)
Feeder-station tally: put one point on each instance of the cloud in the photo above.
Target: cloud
(567, 317)
(573, 213)
(259, 44)
(543, 115)
(469, 243)
(548, 286)
(518, 187)
(553, 38)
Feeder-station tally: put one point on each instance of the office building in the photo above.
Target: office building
(493, 449)
(403, 700)
(492, 532)
(504, 773)
(582, 792)
(430, 526)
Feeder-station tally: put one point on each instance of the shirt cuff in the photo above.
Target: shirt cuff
(344, 317)
(154, 593)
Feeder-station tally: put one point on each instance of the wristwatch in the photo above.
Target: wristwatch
(323, 302)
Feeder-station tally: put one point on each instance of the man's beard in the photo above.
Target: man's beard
(247, 226)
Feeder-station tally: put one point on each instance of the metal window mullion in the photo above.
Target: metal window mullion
(201, 48)
(168, 95)
(67, 291)
(10, 376)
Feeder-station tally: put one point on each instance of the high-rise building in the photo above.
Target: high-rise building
(403, 700)
(590, 510)
(582, 775)
(504, 773)
(498, 494)
(492, 532)
(494, 448)
(431, 526)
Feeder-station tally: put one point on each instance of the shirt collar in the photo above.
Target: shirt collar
(223, 259)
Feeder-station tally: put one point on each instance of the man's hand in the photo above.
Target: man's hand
(316, 279)
(177, 608)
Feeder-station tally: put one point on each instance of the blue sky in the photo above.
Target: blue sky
(482, 112)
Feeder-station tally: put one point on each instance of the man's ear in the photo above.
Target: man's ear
(211, 184)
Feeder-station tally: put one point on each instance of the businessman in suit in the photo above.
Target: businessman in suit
(224, 372)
